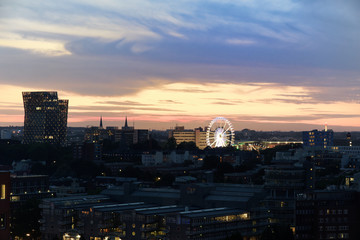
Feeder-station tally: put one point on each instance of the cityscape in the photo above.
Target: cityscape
(203, 120)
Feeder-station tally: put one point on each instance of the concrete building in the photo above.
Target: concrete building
(140, 136)
(45, 118)
(88, 151)
(140, 220)
(166, 157)
(284, 182)
(29, 187)
(198, 136)
(208, 195)
(72, 189)
(60, 215)
(328, 214)
(152, 159)
(5, 134)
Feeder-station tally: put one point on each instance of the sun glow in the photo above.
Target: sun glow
(186, 102)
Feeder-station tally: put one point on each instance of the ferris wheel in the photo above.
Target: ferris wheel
(220, 133)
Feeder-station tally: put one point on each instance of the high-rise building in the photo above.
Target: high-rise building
(317, 138)
(45, 118)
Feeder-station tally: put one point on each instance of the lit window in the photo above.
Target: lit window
(2, 221)
(15, 198)
(3, 191)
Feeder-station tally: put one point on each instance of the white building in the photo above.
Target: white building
(5, 134)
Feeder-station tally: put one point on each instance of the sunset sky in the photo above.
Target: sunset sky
(263, 64)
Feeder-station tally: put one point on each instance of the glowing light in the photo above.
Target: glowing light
(220, 133)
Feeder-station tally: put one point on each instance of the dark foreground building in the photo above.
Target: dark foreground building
(4, 205)
(196, 211)
(328, 215)
(45, 118)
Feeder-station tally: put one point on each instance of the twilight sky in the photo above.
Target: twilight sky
(263, 64)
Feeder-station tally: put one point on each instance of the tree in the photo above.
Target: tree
(211, 162)
(170, 144)
(189, 146)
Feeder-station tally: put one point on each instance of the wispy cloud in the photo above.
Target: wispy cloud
(274, 57)
(236, 41)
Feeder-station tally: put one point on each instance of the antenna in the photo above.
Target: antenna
(326, 127)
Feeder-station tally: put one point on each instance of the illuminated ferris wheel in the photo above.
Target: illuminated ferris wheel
(220, 133)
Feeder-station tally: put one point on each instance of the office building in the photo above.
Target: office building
(4, 205)
(45, 118)
(60, 215)
(284, 182)
(198, 136)
(97, 220)
(328, 214)
(140, 136)
(28, 187)
(317, 138)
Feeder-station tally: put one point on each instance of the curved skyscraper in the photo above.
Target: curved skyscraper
(45, 118)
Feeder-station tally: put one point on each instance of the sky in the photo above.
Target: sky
(263, 64)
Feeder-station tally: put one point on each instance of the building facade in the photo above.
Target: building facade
(328, 214)
(45, 118)
(28, 187)
(317, 138)
(4, 205)
(198, 136)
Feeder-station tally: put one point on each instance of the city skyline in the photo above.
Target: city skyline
(273, 65)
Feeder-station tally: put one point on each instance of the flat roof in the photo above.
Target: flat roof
(211, 212)
(29, 176)
(227, 198)
(121, 207)
(81, 198)
(156, 194)
(160, 210)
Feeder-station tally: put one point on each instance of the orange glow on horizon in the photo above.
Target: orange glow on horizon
(171, 103)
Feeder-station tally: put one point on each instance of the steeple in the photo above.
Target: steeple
(126, 124)
(101, 125)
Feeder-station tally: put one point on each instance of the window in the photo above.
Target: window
(2, 221)
(3, 191)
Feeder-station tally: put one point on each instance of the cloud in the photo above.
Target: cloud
(169, 102)
(252, 55)
(124, 103)
(236, 41)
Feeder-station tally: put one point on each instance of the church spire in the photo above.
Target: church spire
(101, 125)
(126, 124)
